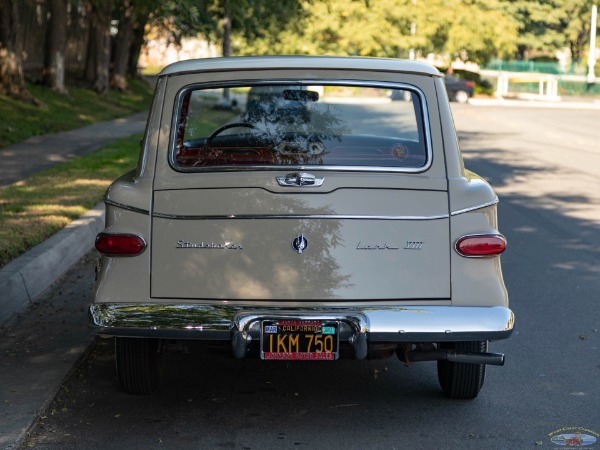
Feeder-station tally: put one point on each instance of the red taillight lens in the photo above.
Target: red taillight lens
(120, 244)
(481, 245)
(469, 84)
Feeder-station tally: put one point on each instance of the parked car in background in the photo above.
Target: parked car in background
(279, 103)
(332, 223)
(459, 90)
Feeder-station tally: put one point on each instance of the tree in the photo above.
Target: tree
(56, 39)
(12, 79)
(576, 32)
(480, 32)
(473, 29)
(98, 51)
(123, 44)
(539, 25)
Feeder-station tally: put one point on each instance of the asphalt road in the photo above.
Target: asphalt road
(544, 164)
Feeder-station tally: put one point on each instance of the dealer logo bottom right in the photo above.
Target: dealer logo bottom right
(574, 437)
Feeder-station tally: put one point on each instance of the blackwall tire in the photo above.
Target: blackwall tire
(139, 364)
(460, 380)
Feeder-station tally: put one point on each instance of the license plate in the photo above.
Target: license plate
(314, 340)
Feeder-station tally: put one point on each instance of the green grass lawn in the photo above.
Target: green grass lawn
(80, 107)
(34, 209)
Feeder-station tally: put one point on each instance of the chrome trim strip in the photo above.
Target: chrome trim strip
(296, 216)
(369, 324)
(305, 82)
(475, 208)
(127, 207)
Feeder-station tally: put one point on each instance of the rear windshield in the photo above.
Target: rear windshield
(274, 125)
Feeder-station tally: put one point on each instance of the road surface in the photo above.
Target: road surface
(544, 164)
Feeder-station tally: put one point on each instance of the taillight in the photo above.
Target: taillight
(469, 84)
(481, 245)
(120, 244)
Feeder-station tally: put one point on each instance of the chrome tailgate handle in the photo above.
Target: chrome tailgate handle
(300, 179)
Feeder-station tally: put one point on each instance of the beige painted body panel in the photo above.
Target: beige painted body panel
(345, 259)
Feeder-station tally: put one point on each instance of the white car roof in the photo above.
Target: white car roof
(299, 62)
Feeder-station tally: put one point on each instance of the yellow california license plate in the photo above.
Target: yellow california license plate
(299, 340)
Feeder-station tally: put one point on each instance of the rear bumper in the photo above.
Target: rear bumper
(359, 326)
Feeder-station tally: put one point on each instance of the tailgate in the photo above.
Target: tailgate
(253, 244)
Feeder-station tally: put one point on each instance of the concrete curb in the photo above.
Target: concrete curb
(27, 277)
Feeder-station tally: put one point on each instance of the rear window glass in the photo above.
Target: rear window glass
(297, 125)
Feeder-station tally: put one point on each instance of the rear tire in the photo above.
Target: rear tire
(461, 380)
(461, 97)
(139, 364)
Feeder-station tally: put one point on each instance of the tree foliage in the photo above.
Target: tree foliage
(545, 26)
(471, 29)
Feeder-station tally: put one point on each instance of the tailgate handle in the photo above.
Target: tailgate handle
(300, 179)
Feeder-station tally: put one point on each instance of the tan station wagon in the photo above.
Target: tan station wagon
(292, 209)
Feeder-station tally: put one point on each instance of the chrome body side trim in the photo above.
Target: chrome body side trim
(359, 325)
(302, 82)
(127, 207)
(475, 208)
(298, 216)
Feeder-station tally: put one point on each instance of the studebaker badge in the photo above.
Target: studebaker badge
(209, 245)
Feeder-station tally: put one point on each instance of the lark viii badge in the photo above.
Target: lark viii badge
(300, 244)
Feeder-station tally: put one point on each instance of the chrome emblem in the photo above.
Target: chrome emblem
(300, 244)
(300, 179)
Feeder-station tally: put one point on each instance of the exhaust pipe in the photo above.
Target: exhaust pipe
(492, 359)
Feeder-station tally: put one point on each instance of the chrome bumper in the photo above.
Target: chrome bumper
(358, 325)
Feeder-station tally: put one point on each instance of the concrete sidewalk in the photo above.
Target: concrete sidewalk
(41, 346)
(21, 160)
(567, 103)
(25, 278)
(41, 343)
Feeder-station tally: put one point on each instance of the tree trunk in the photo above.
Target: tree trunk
(56, 39)
(226, 29)
(90, 52)
(226, 43)
(98, 52)
(137, 41)
(12, 79)
(123, 44)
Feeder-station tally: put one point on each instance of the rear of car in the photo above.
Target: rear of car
(318, 220)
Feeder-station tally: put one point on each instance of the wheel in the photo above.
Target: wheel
(139, 364)
(461, 97)
(462, 380)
